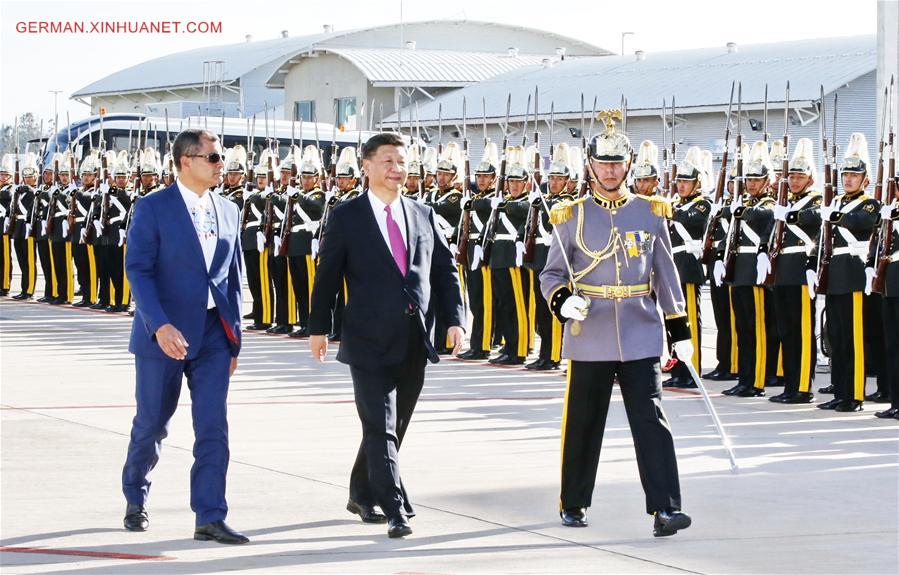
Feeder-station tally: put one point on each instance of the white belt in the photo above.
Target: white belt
(310, 227)
(748, 250)
(794, 250)
(474, 236)
(507, 237)
(544, 241)
(847, 251)
(895, 256)
(692, 246)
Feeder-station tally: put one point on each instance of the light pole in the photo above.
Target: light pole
(623, 34)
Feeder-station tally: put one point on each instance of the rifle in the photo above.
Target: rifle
(733, 237)
(884, 254)
(533, 218)
(782, 189)
(439, 128)
(826, 240)
(672, 191)
(666, 182)
(765, 118)
(709, 237)
(585, 175)
(332, 163)
(14, 202)
(51, 206)
(465, 222)
(489, 233)
(286, 225)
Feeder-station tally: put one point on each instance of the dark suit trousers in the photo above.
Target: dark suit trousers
(157, 392)
(385, 399)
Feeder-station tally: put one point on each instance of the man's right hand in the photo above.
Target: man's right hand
(318, 344)
(172, 342)
(575, 307)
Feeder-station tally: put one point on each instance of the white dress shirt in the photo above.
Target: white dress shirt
(396, 209)
(202, 213)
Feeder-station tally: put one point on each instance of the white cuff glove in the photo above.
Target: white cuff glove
(811, 281)
(43, 227)
(762, 267)
(575, 307)
(718, 273)
(5, 224)
(277, 242)
(495, 202)
(82, 238)
(886, 211)
(826, 211)
(716, 209)
(260, 241)
(314, 248)
(478, 256)
(292, 191)
(328, 195)
(454, 249)
(65, 228)
(98, 227)
(104, 187)
(780, 212)
(534, 196)
(121, 238)
(869, 280)
(27, 230)
(684, 350)
(519, 254)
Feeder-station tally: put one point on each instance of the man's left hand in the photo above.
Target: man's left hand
(456, 335)
(233, 366)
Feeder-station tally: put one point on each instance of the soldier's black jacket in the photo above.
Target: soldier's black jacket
(756, 217)
(59, 206)
(480, 203)
(38, 212)
(687, 226)
(544, 229)
(25, 202)
(311, 203)
(513, 213)
(854, 222)
(799, 249)
(84, 197)
(141, 193)
(447, 206)
(235, 194)
(891, 285)
(119, 204)
(278, 199)
(5, 201)
(254, 216)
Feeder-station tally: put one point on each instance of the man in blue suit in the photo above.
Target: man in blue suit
(400, 275)
(183, 263)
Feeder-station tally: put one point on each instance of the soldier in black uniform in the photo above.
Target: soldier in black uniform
(58, 232)
(347, 171)
(646, 169)
(112, 241)
(890, 214)
(688, 223)
(82, 251)
(854, 217)
(38, 219)
(147, 183)
(285, 303)
(20, 207)
(752, 304)
(6, 191)
(234, 188)
(253, 245)
(794, 303)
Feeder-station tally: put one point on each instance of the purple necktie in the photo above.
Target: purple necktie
(397, 245)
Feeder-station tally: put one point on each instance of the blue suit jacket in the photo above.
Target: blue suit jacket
(165, 266)
(376, 318)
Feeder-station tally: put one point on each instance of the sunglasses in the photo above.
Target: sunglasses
(212, 158)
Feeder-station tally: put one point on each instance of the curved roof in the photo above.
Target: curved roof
(697, 78)
(185, 69)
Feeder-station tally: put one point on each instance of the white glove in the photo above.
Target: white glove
(5, 224)
(885, 211)
(454, 249)
(519, 254)
(716, 209)
(83, 236)
(737, 202)
(811, 281)
(292, 191)
(762, 267)
(121, 237)
(826, 211)
(314, 248)
(495, 202)
(98, 227)
(27, 230)
(478, 256)
(575, 307)
(780, 212)
(65, 228)
(260, 241)
(268, 190)
(277, 245)
(104, 187)
(329, 194)
(684, 350)
(718, 273)
(869, 280)
(43, 227)
(534, 195)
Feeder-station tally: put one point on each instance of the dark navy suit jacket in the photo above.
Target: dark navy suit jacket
(376, 320)
(165, 266)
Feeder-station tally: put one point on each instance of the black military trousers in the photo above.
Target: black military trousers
(6, 251)
(302, 277)
(547, 325)
(480, 302)
(85, 269)
(259, 282)
(62, 269)
(103, 258)
(25, 254)
(725, 341)
(845, 328)
(285, 303)
(891, 345)
(875, 365)
(795, 316)
(694, 316)
(385, 400)
(43, 253)
(510, 300)
(753, 308)
(584, 415)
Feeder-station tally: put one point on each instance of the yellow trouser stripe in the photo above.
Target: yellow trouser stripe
(488, 308)
(126, 287)
(734, 351)
(555, 352)
(32, 270)
(565, 422)
(54, 285)
(346, 294)
(761, 359)
(111, 292)
(858, 346)
(805, 361)
(291, 298)
(7, 265)
(264, 287)
(92, 274)
(693, 316)
(70, 274)
(532, 309)
(520, 311)
(310, 277)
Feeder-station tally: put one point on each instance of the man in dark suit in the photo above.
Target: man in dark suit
(399, 274)
(184, 265)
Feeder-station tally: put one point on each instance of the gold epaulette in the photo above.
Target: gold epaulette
(562, 211)
(659, 206)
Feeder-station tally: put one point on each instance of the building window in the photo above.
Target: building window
(304, 110)
(346, 113)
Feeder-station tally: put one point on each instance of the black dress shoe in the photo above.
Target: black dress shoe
(508, 360)
(99, 305)
(536, 364)
(686, 383)
(878, 397)
(136, 517)
(279, 330)
(220, 532)
(574, 517)
(751, 392)
(714, 374)
(799, 397)
(849, 405)
(832, 404)
(82, 303)
(4, 292)
(670, 522)
(828, 389)
(549, 365)
(779, 398)
(474, 354)
(671, 382)
(44, 299)
(500, 357)
(398, 527)
(735, 389)
(248, 316)
(443, 350)
(891, 413)
(258, 326)
(299, 334)
(366, 512)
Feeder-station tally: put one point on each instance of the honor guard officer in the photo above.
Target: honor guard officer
(58, 232)
(82, 250)
(253, 243)
(235, 168)
(347, 171)
(752, 303)
(446, 202)
(577, 165)
(890, 215)
(95, 222)
(308, 208)
(854, 217)
(112, 240)
(413, 176)
(19, 230)
(148, 169)
(38, 220)
(777, 153)
(646, 169)
(794, 302)
(285, 304)
(688, 223)
(6, 193)
(548, 326)
(429, 159)
(612, 252)
(168, 175)
(479, 279)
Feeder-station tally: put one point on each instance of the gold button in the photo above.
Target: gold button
(614, 212)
